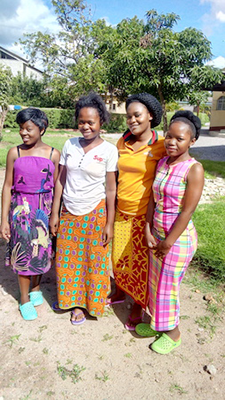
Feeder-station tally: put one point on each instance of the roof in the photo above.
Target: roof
(18, 58)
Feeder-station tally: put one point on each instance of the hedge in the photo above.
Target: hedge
(58, 118)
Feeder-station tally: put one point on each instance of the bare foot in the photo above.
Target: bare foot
(134, 318)
(77, 316)
(118, 296)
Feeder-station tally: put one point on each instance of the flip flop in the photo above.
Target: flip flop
(134, 322)
(55, 306)
(145, 330)
(36, 298)
(109, 302)
(77, 322)
(164, 344)
(28, 311)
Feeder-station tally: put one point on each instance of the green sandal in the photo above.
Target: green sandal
(164, 344)
(36, 298)
(145, 330)
(28, 311)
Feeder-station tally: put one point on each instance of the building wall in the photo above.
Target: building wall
(18, 66)
(217, 119)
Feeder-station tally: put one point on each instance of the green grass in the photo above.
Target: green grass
(52, 138)
(213, 168)
(209, 222)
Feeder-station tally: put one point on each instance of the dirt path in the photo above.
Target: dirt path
(100, 360)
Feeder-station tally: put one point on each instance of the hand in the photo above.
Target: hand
(151, 242)
(54, 224)
(107, 234)
(162, 249)
(5, 231)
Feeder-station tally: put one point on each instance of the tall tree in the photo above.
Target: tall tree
(152, 57)
(69, 53)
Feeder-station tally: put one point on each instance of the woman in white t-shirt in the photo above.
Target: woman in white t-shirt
(87, 183)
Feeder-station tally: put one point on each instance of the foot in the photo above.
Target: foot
(164, 344)
(134, 318)
(116, 298)
(36, 297)
(28, 311)
(77, 316)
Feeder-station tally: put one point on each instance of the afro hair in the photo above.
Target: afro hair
(189, 118)
(92, 100)
(152, 104)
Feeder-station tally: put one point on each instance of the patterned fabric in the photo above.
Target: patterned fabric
(82, 263)
(29, 250)
(166, 275)
(130, 256)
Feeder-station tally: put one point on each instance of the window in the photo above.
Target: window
(221, 103)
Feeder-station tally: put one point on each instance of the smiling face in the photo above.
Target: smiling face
(30, 133)
(178, 139)
(89, 123)
(138, 118)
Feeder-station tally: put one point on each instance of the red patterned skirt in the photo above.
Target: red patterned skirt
(130, 256)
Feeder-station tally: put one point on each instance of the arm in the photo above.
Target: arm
(6, 193)
(110, 206)
(149, 222)
(195, 183)
(55, 159)
(59, 185)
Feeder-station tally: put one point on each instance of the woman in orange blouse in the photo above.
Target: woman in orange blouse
(140, 148)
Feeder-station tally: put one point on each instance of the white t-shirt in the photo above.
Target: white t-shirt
(86, 174)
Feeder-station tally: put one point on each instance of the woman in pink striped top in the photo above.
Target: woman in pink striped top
(170, 232)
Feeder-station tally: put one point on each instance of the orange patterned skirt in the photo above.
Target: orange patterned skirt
(130, 256)
(82, 263)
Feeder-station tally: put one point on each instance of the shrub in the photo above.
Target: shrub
(117, 123)
(58, 118)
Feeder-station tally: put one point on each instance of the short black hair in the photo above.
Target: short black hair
(190, 119)
(152, 104)
(92, 100)
(38, 117)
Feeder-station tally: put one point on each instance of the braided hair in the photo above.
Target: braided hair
(151, 103)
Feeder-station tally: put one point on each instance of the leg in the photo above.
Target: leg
(24, 284)
(134, 318)
(119, 295)
(174, 334)
(35, 283)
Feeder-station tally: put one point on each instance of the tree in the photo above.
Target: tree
(198, 99)
(27, 91)
(5, 89)
(68, 54)
(151, 57)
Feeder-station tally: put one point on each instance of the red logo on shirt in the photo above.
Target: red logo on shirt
(98, 158)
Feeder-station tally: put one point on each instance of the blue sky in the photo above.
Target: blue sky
(29, 16)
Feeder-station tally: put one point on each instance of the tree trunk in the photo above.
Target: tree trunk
(111, 99)
(163, 104)
(198, 107)
(2, 120)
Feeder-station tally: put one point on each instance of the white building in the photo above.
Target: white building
(18, 64)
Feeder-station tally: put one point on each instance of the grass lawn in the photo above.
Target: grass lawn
(209, 222)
